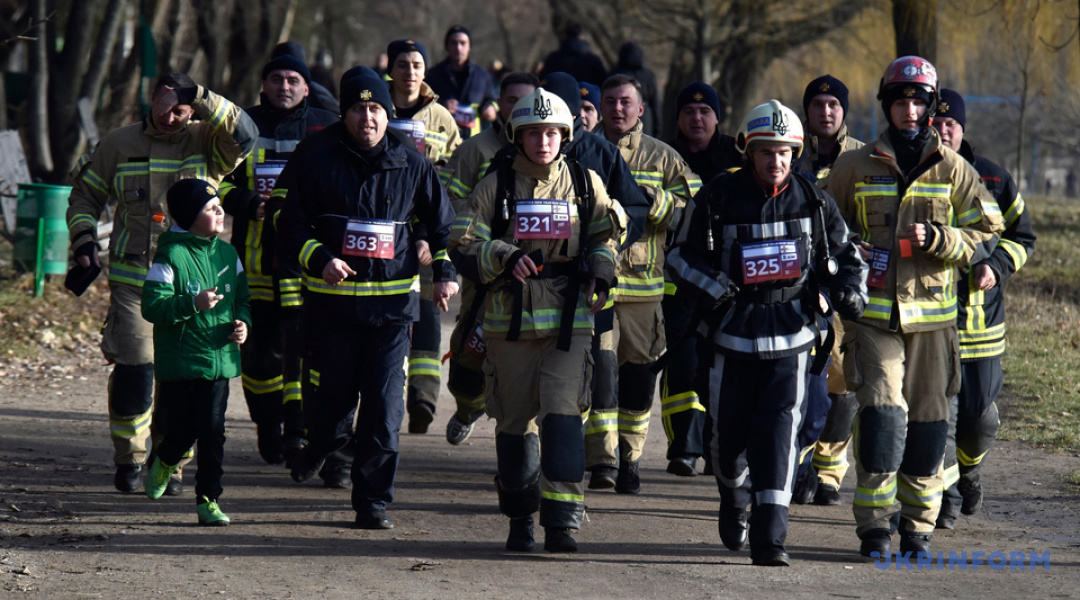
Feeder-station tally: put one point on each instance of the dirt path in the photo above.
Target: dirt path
(65, 533)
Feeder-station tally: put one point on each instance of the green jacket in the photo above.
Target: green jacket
(189, 344)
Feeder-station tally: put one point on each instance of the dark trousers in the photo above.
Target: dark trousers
(758, 407)
(196, 409)
(346, 361)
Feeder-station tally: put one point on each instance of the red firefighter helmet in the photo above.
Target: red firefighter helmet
(910, 69)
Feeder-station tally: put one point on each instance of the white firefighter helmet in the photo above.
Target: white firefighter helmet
(541, 108)
(771, 122)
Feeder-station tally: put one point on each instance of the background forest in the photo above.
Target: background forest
(76, 68)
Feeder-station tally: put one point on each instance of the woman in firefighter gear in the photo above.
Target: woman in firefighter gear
(759, 245)
(546, 249)
(921, 212)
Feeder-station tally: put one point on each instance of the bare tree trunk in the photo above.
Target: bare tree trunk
(38, 155)
(915, 22)
(1020, 130)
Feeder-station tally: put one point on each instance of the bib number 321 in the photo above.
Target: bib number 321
(369, 238)
(542, 220)
(768, 261)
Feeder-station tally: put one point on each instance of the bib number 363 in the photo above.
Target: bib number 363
(369, 238)
(768, 261)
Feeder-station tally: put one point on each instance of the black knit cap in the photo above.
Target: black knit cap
(897, 91)
(290, 48)
(566, 87)
(829, 85)
(399, 46)
(455, 29)
(951, 104)
(698, 92)
(186, 199)
(361, 84)
(286, 62)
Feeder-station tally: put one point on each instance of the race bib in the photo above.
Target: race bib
(370, 238)
(879, 266)
(768, 261)
(474, 345)
(465, 116)
(542, 220)
(414, 129)
(266, 176)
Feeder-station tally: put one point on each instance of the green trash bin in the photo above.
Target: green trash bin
(48, 202)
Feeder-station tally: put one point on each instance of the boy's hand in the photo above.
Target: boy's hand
(207, 299)
(240, 332)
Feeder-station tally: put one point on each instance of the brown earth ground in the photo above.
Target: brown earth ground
(66, 533)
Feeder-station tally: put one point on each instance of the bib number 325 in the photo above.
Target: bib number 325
(768, 261)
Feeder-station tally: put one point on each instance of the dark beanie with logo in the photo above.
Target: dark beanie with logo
(361, 84)
(951, 104)
(828, 85)
(698, 92)
(186, 199)
(590, 92)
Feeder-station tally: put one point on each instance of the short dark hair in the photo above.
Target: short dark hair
(518, 77)
(455, 29)
(621, 79)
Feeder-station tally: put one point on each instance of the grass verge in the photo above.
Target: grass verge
(1041, 403)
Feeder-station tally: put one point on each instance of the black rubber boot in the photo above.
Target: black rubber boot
(521, 535)
(558, 539)
(628, 480)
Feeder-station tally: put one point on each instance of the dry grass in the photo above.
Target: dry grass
(1041, 404)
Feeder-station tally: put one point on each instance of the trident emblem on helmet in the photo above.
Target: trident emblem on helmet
(541, 107)
(780, 126)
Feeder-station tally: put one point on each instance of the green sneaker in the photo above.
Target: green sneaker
(210, 514)
(158, 479)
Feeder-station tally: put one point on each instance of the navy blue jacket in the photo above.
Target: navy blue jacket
(329, 181)
(475, 91)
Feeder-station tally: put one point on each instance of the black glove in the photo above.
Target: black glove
(931, 237)
(79, 278)
(89, 250)
(184, 86)
(729, 286)
(848, 303)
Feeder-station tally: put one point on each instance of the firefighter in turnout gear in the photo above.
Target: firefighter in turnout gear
(136, 165)
(433, 130)
(466, 168)
(981, 322)
(708, 153)
(922, 213)
(271, 361)
(357, 203)
(619, 422)
(542, 237)
(831, 411)
(759, 245)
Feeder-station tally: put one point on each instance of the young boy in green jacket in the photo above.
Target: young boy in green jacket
(196, 295)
